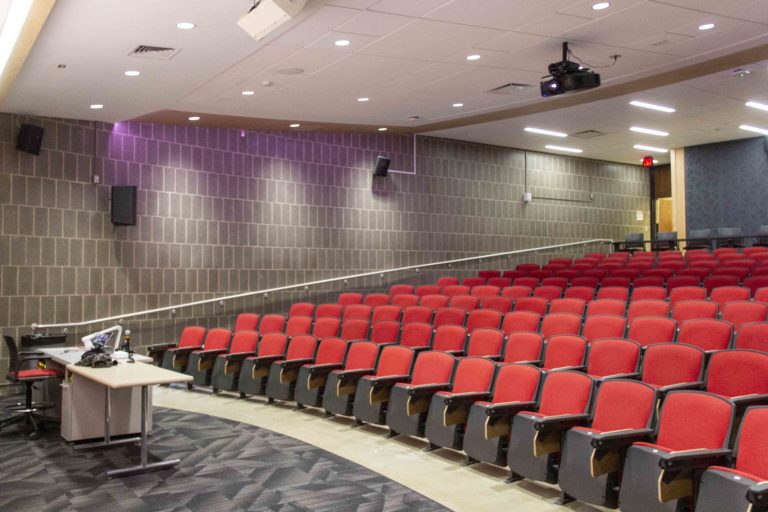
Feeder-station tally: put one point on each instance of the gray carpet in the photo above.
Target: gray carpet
(225, 466)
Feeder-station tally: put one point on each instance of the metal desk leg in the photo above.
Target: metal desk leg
(107, 425)
(144, 466)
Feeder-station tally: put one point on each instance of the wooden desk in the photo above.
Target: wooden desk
(126, 375)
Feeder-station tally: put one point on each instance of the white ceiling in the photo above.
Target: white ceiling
(409, 57)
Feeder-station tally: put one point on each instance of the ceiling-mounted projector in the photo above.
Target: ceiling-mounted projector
(266, 15)
(565, 76)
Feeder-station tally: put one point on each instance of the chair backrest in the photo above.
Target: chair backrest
(516, 383)
(530, 282)
(649, 330)
(560, 323)
(416, 334)
(301, 309)
(742, 312)
(357, 312)
(613, 292)
(400, 289)
(450, 337)
(585, 293)
(417, 314)
(646, 282)
(754, 283)
(726, 294)
(473, 375)
(500, 304)
(298, 325)
(565, 351)
(584, 282)
(272, 344)
(474, 281)
(533, 304)
(465, 302)
(719, 281)
(548, 292)
(376, 299)
(361, 355)
(753, 336)
(355, 329)
(604, 326)
(217, 339)
(432, 367)
(244, 341)
(566, 392)
(485, 342)
(667, 364)
(606, 307)
(752, 445)
(326, 327)
(449, 316)
(693, 309)
(395, 360)
(483, 318)
(386, 312)
(485, 291)
(611, 281)
(515, 292)
(733, 373)
(404, 300)
(272, 323)
(687, 293)
(428, 289)
(623, 404)
(455, 289)
(520, 321)
(328, 310)
(514, 274)
(489, 273)
(648, 307)
(761, 295)
(247, 322)
(331, 351)
(527, 267)
(301, 347)
(693, 420)
(501, 282)
(192, 336)
(649, 293)
(386, 331)
(13, 353)
(524, 347)
(350, 298)
(613, 356)
(572, 306)
(434, 301)
(447, 281)
(707, 334)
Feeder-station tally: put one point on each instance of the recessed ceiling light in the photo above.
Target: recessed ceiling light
(194, 118)
(600, 6)
(649, 131)
(383, 129)
(97, 106)
(545, 132)
(294, 125)
(458, 105)
(643, 104)
(563, 148)
(363, 99)
(342, 42)
(185, 25)
(248, 93)
(650, 148)
(15, 18)
(763, 131)
(132, 73)
(654, 160)
(707, 26)
(754, 104)
(474, 56)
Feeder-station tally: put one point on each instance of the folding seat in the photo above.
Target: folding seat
(420, 314)
(371, 398)
(606, 307)
(568, 274)
(585, 293)
(255, 368)
(749, 264)
(442, 282)
(449, 316)
(416, 335)
(620, 255)
(384, 332)
(565, 351)
(328, 310)
(693, 309)
(448, 410)
(357, 312)
(611, 281)
(502, 304)
(249, 321)
(561, 261)
(471, 282)
(404, 300)
(647, 307)
(573, 306)
(355, 329)
(501, 282)
(226, 367)
(687, 293)
(649, 330)
(761, 295)
(530, 282)
(613, 358)
(174, 357)
(434, 301)
(271, 323)
(548, 292)
(514, 292)
(753, 336)
(533, 304)
(649, 293)
(584, 265)
(740, 272)
(281, 381)
(298, 325)
(553, 268)
(628, 272)
(693, 430)
(677, 281)
(707, 334)
(648, 281)
(614, 292)
(486, 342)
(609, 266)
(760, 270)
(326, 327)
(310, 383)
(560, 323)
(754, 283)
(409, 402)
(559, 282)
(483, 318)
(590, 466)
(540, 274)
(524, 347)
(536, 437)
(604, 326)
(514, 274)
(465, 302)
(721, 251)
(488, 274)
(669, 366)
(400, 289)
(349, 298)
(596, 273)
(724, 259)
(739, 375)
(663, 272)
(749, 252)
(428, 289)
(703, 263)
(341, 383)
(386, 312)
(595, 256)
(520, 321)
(301, 309)
(200, 361)
(742, 311)
(450, 338)
(693, 253)
(376, 299)
(454, 290)
(585, 282)
(726, 294)
(485, 291)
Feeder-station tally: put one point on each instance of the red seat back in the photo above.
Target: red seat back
(488, 274)
(432, 368)
(560, 323)
(483, 318)
(442, 282)
(329, 310)
(606, 307)
(247, 322)
(418, 314)
(613, 292)
(649, 330)
(565, 351)
(515, 292)
(298, 325)
(394, 360)
(449, 316)
(692, 420)
(649, 293)
(485, 291)
(428, 289)
(733, 373)
(623, 404)
(434, 302)
(566, 392)
(572, 306)
(376, 299)
(416, 334)
(742, 312)
(455, 289)
(604, 326)
(693, 309)
(301, 347)
(404, 300)
(534, 304)
(350, 298)
(753, 336)
(192, 336)
(272, 344)
(357, 312)
(485, 343)
(386, 331)
(639, 308)
(386, 312)
(516, 383)
(301, 309)
(326, 327)
(331, 351)
(613, 357)
(449, 337)
(355, 329)
(501, 282)
(707, 334)
(520, 321)
(752, 450)
(585, 293)
(473, 281)
(473, 375)
(523, 347)
(244, 341)
(719, 281)
(465, 302)
(361, 355)
(667, 364)
(500, 304)
(400, 289)
(726, 294)
(548, 292)
(217, 339)
(687, 293)
(530, 282)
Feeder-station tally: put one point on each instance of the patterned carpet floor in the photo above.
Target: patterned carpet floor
(225, 466)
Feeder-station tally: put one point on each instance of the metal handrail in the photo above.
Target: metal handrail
(307, 285)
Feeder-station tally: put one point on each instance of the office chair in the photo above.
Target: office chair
(25, 411)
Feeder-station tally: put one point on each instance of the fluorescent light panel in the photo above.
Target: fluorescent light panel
(759, 106)
(14, 21)
(762, 131)
(541, 131)
(649, 131)
(563, 148)
(643, 104)
(650, 148)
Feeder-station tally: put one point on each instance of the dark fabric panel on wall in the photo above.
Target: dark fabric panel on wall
(726, 184)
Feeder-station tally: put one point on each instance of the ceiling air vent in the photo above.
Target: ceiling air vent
(587, 134)
(510, 88)
(154, 52)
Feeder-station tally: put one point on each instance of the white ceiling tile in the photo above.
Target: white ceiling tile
(585, 10)
(499, 14)
(322, 21)
(553, 25)
(750, 10)
(408, 7)
(374, 23)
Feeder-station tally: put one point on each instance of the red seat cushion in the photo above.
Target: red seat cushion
(34, 374)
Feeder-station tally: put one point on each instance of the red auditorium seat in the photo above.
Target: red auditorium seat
(739, 375)
(404, 300)
(465, 302)
(565, 351)
(472, 282)
(530, 282)
(326, 327)
(341, 383)
(611, 281)
(649, 293)
(416, 335)
(606, 307)
(328, 310)
(700, 272)
(501, 282)
(524, 347)
(489, 274)
(669, 366)
(739, 272)
(750, 252)
(369, 404)
(165, 354)
(754, 283)
(435, 301)
(376, 299)
(514, 274)
(350, 298)
(400, 289)
(255, 369)
(485, 291)
(585, 281)
(483, 318)
(568, 274)
(677, 281)
(298, 325)
(386, 312)
(649, 330)
(559, 282)
(300, 309)
(693, 309)
(721, 251)
(707, 334)
(281, 381)
(613, 358)
(357, 312)
(385, 332)
(226, 367)
(450, 338)
(704, 263)
(310, 383)
(585, 293)
(548, 292)
(533, 304)
(727, 294)
(628, 272)
(455, 289)
(520, 321)
(447, 281)
(501, 304)
(428, 289)
(753, 336)
(761, 295)
(596, 273)
(355, 329)
(604, 326)
(248, 322)
(419, 314)
(200, 361)
(647, 281)
(741, 312)
(271, 323)
(449, 316)
(560, 323)
(527, 267)
(561, 261)
(574, 306)
(515, 292)
(649, 307)
(687, 293)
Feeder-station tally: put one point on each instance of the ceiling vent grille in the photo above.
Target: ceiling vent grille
(587, 134)
(510, 88)
(154, 52)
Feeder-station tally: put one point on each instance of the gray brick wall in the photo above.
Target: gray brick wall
(224, 211)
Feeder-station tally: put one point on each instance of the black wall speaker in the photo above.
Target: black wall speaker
(382, 166)
(30, 139)
(124, 205)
